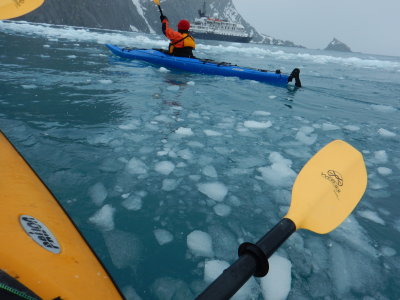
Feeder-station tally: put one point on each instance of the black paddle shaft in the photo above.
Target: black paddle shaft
(253, 260)
(159, 7)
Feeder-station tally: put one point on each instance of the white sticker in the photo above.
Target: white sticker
(40, 233)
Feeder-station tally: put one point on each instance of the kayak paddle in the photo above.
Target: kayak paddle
(324, 194)
(157, 2)
(15, 8)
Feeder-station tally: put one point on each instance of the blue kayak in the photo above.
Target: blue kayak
(205, 66)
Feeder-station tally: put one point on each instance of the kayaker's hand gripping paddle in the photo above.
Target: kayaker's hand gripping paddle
(324, 194)
(15, 8)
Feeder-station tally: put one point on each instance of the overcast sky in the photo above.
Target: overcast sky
(368, 26)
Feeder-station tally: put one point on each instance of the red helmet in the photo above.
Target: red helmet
(183, 25)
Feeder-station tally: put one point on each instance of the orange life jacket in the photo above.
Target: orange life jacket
(186, 41)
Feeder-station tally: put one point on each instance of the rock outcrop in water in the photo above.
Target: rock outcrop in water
(337, 45)
(138, 15)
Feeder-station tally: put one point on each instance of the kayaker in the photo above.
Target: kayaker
(182, 43)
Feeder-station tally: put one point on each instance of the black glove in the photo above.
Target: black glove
(162, 18)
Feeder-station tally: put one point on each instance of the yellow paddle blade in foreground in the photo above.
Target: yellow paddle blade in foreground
(328, 188)
(157, 2)
(15, 8)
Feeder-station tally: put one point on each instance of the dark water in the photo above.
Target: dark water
(166, 173)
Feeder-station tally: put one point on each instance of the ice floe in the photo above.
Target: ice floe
(371, 215)
(306, 135)
(257, 125)
(222, 210)
(125, 248)
(104, 218)
(133, 202)
(98, 193)
(136, 167)
(164, 167)
(384, 171)
(210, 171)
(200, 243)
(163, 236)
(214, 190)
(386, 133)
(276, 285)
(279, 173)
(383, 108)
(184, 131)
(209, 132)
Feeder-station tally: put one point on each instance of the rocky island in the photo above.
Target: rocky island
(336, 45)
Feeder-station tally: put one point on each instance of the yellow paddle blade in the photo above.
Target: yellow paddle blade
(14, 8)
(328, 188)
(157, 2)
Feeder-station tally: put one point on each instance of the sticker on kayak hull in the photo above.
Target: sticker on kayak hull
(40, 233)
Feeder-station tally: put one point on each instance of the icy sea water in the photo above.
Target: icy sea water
(166, 173)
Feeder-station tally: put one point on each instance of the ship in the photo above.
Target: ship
(208, 28)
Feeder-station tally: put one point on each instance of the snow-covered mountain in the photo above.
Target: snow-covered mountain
(138, 15)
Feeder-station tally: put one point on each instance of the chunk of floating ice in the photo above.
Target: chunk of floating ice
(164, 70)
(124, 248)
(386, 133)
(305, 135)
(384, 171)
(214, 268)
(105, 81)
(173, 88)
(195, 144)
(169, 184)
(279, 173)
(163, 236)
(371, 215)
(136, 167)
(387, 251)
(257, 125)
(381, 156)
(131, 125)
(222, 210)
(329, 126)
(383, 108)
(353, 235)
(29, 86)
(214, 190)
(130, 293)
(164, 167)
(190, 83)
(186, 154)
(351, 272)
(276, 286)
(261, 113)
(98, 193)
(184, 131)
(194, 177)
(209, 132)
(163, 118)
(104, 218)
(352, 127)
(133, 203)
(200, 243)
(210, 171)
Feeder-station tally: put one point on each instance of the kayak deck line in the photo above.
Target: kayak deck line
(206, 66)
